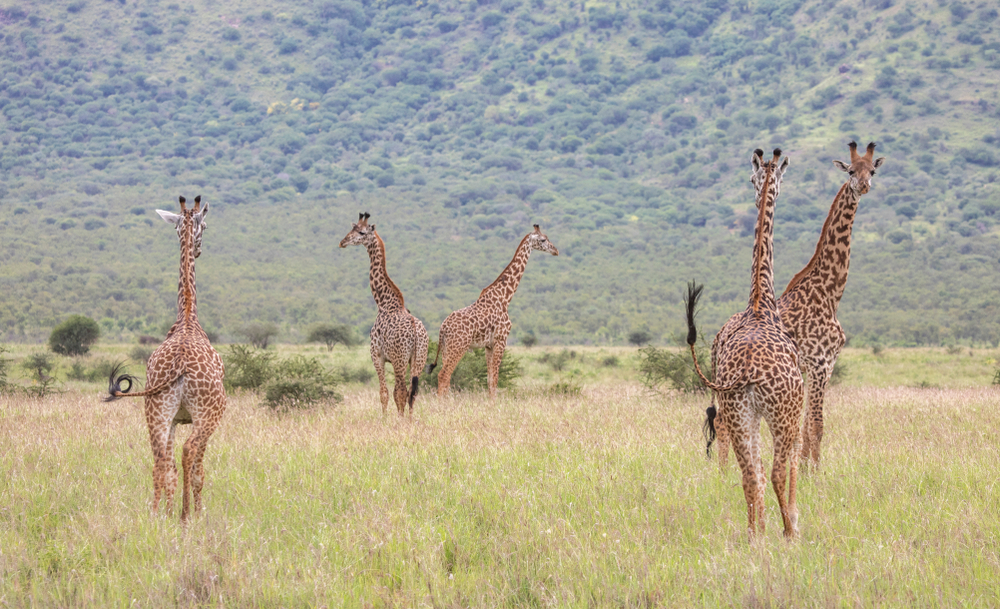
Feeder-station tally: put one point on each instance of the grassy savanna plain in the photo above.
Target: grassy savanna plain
(602, 498)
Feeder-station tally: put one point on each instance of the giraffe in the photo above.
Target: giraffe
(184, 378)
(808, 307)
(756, 368)
(485, 323)
(397, 336)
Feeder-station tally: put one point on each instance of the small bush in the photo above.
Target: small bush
(839, 374)
(356, 375)
(529, 340)
(141, 354)
(98, 372)
(40, 366)
(877, 349)
(639, 337)
(259, 333)
(247, 368)
(5, 386)
(564, 388)
(299, 382)
(331, 334)
(659, 367)
(74, 336)
(559, 360)
(610, 362)
(471, 372)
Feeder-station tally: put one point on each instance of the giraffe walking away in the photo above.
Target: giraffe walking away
(183, 378)
(808, 307)
(756, 368)
(397, 336)
(485, 323)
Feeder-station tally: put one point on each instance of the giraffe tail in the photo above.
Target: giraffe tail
(115, 389)
(709, 428)
(115, 382)
(437, 355)
(414, 387)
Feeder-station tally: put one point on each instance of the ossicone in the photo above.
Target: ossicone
(854, 151)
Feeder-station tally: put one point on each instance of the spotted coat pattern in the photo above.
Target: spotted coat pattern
(756, 369)
(485, 323)
(808, 307)
(183, 378)
(397, 336)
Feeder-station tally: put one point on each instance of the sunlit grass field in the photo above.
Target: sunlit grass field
(603, 498)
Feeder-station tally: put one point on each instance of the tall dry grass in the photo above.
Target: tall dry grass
(602, 499)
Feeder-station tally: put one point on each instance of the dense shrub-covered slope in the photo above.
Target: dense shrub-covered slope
(623, 128)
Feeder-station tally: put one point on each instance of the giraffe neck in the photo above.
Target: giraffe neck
(828, 267)
(387, 296)
(503, 288)
(187, 297)
(762, 280)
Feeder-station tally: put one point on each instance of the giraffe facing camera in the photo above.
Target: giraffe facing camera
(397, 336)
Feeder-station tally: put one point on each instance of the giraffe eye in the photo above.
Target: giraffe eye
(873, 172)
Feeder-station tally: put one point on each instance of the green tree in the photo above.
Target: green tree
(74, 336)
(260, 333)
(331, 334)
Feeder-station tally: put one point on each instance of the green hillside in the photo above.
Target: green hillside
(623, 128)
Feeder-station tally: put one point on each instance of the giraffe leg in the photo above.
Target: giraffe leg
(722, 440)
(454, 350)
(161, 440)
(383, 389)
(418, 361)
(400, 384)
(493, 358)
(746, 444)
(193, 464)
(818, 380)
(786, 450)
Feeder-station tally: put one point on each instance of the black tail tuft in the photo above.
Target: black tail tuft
(414, 387)
(709, 428)
(690, 302)
(115, 381)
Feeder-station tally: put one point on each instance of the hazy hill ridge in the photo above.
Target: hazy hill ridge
(624, 129)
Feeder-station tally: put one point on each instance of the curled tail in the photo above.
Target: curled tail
(115, 389)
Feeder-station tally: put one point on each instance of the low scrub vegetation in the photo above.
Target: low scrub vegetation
(471, 372)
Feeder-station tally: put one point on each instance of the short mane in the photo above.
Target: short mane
(385, 267)
(819, 244)
(506, 267)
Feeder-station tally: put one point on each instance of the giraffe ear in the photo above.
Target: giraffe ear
(170, 218)
(200, 216)
(878, 162)
(755, 161)
(783, 167)
(842, 165)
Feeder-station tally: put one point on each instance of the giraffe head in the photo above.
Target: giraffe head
(361, 232)
(193, 218)
(862, 168)
(538, 241)
(762, 170)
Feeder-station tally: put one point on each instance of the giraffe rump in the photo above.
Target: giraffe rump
(115, 380)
